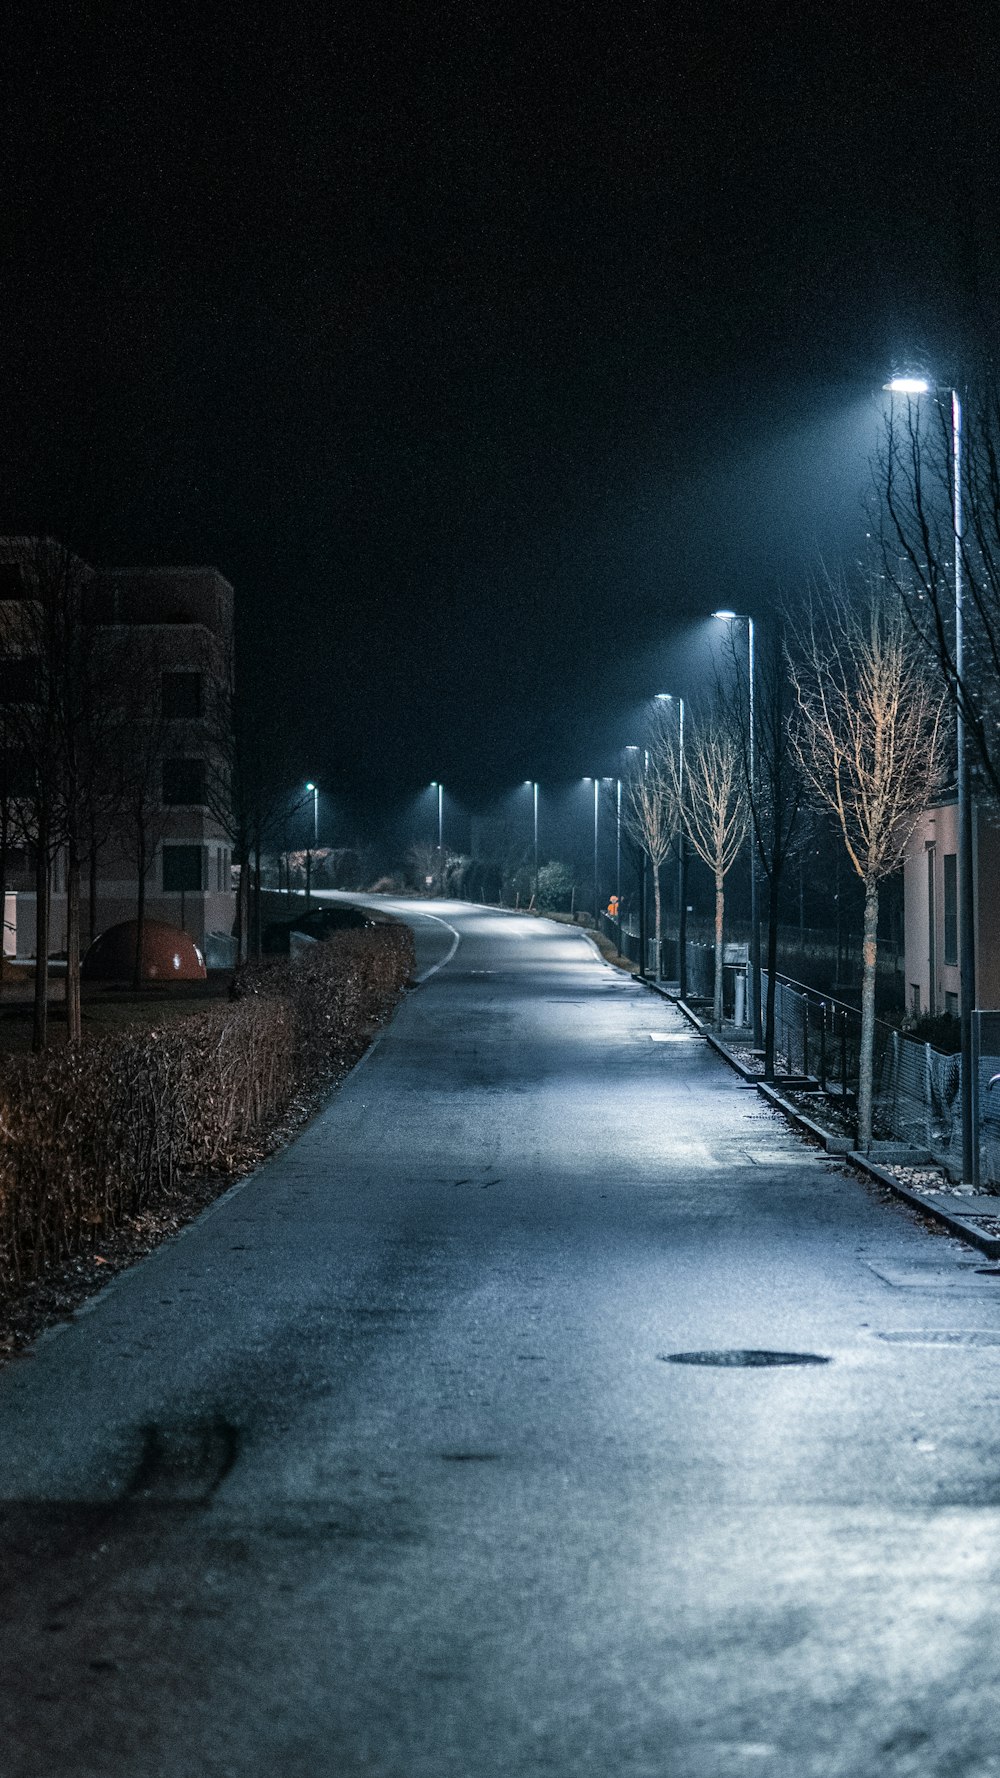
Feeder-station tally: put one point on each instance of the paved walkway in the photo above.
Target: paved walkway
(382, 1468)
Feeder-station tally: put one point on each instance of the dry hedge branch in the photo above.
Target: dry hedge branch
(89, 1136)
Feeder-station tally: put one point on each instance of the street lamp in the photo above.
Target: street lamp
(314, 788)
(532, 785)
(913, 387)
(597, 791)
(735, 617)
(642, 874)
(666, 697)
(439, 787)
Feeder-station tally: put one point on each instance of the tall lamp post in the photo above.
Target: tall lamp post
(597, 791)
(913, 387)
(439, 787)
(314, 788)
(532, 785)
(634, 749)
(618, 858)
(736, 617)
(667, 697)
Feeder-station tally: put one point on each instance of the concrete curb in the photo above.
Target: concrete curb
(840, 1145)
(963, 1227)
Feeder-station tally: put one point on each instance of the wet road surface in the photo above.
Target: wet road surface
(385, 1467)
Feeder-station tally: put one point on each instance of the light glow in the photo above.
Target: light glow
(907, 386)
(727, 617)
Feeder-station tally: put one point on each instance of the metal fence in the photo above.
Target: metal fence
(917, 1090)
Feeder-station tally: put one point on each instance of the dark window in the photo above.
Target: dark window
(181, 868)
(181, 696)
(19, 680)
(950, 907)
(183, 781)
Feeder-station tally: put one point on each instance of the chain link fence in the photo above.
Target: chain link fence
(917, 1089)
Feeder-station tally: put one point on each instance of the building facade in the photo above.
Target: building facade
(165, 637)
(930, 893)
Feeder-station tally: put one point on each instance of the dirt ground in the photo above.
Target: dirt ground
(105, 1006)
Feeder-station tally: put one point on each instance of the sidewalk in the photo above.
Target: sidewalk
(824, 1117)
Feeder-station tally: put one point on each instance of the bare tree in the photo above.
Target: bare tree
(716, 815)
(915, 478)
(140, 740)
(61, 721)
(651, 804)
(867, 736)
(246, 776)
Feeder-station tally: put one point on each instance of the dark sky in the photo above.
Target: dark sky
(483, 350)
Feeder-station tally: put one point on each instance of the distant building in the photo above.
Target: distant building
(171, 627)
(930, 895)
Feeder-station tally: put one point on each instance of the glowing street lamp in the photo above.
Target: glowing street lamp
(666, 697)
(735, 617)
(913, 387)
(597, 791)
(439, 787)
(440, 811)
(532, 785)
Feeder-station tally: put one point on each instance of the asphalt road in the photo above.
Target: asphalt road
(382, 1468)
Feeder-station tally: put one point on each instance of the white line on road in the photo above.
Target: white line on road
(456, 939)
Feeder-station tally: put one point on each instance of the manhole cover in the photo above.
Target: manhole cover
(745, 1359)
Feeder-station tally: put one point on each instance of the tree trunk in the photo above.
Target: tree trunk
(92, 888)
(256, 900)
(773, 886)
(243, 908)
(73, 1018)
(140, 912)
(40, 1021)
(866, 1060)
(720, 912)
(658, 919)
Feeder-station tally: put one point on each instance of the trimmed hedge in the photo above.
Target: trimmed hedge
(89, 1135)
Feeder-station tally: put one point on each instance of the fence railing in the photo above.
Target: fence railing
(917, 1090)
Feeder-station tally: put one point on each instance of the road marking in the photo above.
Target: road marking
(456, 939)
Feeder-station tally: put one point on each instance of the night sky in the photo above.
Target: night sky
(483, 356)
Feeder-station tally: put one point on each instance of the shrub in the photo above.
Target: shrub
(88, 1136)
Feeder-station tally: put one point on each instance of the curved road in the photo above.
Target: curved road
(383, 1467)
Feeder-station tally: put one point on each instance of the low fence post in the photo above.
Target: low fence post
(843, 1056)
(822, 1045)
(805, 1035)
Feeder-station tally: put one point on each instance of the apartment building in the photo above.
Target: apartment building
(167, 632)
(930, 893)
